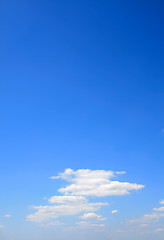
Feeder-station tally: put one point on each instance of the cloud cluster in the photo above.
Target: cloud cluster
(66, 205)
(150, 220)
(82, 183)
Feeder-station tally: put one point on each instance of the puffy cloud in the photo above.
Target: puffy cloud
(160, 209)
(92, 215)
(82, 183)
(114, 211)
(1, 226)
(86, 182)
(67, 199)
(46, 213)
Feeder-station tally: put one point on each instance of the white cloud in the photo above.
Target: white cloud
(144, 225)
(1, 226)
(46, 213)
(120, 172)
(149, 219)
(162, 202)
(92, 215)
(159, 230)
(120, 231)
(160, 209)
(7, 215)
(85, 182)
(67, 199)
(85, 224)
(50, 224)
(82, 183)
(152, 216)
(114, 211)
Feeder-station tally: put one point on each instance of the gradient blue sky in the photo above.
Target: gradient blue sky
(82, 87)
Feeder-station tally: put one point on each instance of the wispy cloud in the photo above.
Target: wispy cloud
(151, 221)
(159, 230)
(85, 224)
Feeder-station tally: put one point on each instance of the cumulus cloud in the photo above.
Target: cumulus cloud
(67, 199)
(160, 209)
(86, 182)
(46, 213)
(73, 201)
(92, 215)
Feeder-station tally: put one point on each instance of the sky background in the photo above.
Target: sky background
(81, 88)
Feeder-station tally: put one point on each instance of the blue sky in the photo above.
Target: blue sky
(82, 88)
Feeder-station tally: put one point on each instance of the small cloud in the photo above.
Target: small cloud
(84, 224)
(7, 215)
(120, 231)
(159, 230)
(50, 224)
(162, 202)
(144, 225)
(92, 215)
(67, 199)
(114, 211)
(121, 172)
(1, 226)
(161, 209)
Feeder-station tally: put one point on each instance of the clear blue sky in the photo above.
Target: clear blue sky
(82, 87)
